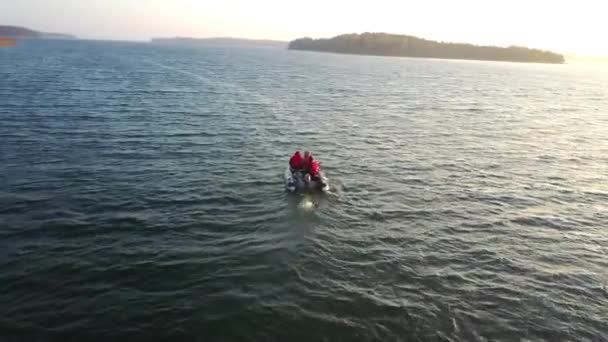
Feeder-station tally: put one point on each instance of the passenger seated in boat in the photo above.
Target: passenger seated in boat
(307, 161)
(314, 171)
(313, 174)
(296, 162)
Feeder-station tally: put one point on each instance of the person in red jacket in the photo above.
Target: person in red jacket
(315, 169)
(313, 175)
(296, 161)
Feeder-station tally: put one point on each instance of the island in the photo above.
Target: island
(385, 44)
(221, 41)
(16, 32)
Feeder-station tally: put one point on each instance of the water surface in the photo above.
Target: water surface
(141, 195)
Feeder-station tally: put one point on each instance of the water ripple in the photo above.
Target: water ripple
(142, 196)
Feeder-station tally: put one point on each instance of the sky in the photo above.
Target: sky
(574, 27)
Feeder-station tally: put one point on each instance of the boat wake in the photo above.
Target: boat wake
(307, 204)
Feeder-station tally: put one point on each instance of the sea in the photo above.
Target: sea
(142, 196)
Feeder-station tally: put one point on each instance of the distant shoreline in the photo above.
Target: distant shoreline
(384, 44)
(17, 32)
(223, 41)
(566, 61)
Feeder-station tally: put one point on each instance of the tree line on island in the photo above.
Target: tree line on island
(18, 32)
(384, 44)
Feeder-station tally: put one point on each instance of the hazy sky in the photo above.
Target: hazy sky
(567, 26)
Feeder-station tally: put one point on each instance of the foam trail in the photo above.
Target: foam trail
(196, 76)
(274, 106)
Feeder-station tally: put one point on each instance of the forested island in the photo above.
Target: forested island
(384, 44)
(22, 32)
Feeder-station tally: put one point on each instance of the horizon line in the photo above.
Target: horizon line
(596, 58)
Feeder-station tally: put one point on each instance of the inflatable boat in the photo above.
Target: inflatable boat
(296, 182)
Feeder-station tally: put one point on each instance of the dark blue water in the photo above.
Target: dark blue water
(141, 196)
